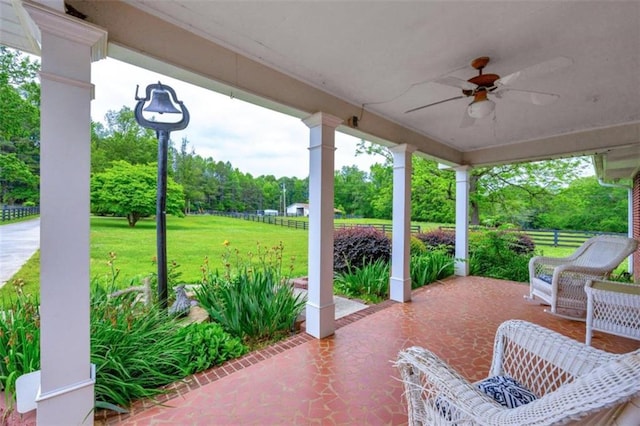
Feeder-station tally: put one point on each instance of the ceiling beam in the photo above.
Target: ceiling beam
(594, 141)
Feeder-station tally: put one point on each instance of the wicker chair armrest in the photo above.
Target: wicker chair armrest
(580, 269)
(550, 262)
(521, 349)
(432, 387)
(612, 286)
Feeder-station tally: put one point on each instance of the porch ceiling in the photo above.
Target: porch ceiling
(375, 60)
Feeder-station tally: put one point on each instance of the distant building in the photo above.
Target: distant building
(298, 209)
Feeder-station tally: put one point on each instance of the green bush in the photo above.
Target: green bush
(354, 247)
(493, 256)
(369, 282)
(209, 345)
(429, 267)
(439, 239)
(416, 246)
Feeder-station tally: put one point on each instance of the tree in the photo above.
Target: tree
(433, 193)
(19, 126)
(17, 183)
(512, 193)
(189, 172)
(352, 191)
(586, 205)
(122, 139)
(129, 190)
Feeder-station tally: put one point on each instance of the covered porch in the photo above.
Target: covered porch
(324, 75)
(349, 378)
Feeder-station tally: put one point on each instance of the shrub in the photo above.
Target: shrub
(439, 239)
(416, 246)
(522, 244)
(429, 267)
(354, 247)
(493, 256)
(369, 282)
(208, 345)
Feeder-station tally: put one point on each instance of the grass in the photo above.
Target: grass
(20, 219)
(189, 241)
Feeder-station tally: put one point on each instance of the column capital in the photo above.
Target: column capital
(397, 149)
(463, 168)
(65, 26)
(321, 118)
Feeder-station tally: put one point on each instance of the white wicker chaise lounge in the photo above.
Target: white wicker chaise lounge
(560, 281)
(613, 307)
(574, 383)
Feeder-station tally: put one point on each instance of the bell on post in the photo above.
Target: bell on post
(161, 103)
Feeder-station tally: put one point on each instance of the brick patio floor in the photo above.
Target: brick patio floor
(348, 378)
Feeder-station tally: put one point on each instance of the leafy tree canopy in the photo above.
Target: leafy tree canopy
(129, 190)
(17, 183)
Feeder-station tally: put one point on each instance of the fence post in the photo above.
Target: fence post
(555, 237)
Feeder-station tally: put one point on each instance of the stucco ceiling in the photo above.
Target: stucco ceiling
(382, 58)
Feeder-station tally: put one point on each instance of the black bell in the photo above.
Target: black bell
(161, 103)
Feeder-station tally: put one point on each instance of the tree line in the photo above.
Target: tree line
(549, 194)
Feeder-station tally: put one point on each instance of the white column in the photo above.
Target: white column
(400, 282)
(320, 317)
(66, 394)
(462, 221)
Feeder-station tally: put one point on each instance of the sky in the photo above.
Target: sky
(253, 139)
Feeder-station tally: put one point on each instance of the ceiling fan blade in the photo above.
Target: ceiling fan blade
(535, 70)
(434, 103)
(467, 120)
(456, 82)
(527, 96)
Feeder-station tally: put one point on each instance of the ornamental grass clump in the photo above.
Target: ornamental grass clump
(429, 267)
(19, 340)
(369, 282)
(251, 299)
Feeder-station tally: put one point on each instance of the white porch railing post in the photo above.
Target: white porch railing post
(66, 394)
(400, 281)
(462, 221)
(320, 316)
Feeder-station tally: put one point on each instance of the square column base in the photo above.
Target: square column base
(320, 321)
(400, 290)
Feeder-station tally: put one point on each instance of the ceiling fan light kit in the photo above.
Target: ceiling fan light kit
(481, 107)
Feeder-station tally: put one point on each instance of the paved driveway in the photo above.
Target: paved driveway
(18, 242)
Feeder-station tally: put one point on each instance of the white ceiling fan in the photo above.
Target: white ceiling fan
(483, 85)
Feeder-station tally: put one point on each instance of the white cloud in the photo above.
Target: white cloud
(253, 139)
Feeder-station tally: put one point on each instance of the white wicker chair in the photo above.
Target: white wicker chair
(614, 308)
(560, 281)
(575, 383)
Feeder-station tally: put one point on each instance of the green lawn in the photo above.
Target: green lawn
(189, 241)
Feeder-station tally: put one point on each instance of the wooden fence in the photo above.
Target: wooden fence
(554, 237)
(302, 224)
(15, 212)
(541, 237)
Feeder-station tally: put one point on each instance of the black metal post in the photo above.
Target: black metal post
(161, 218)
(160, 97)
